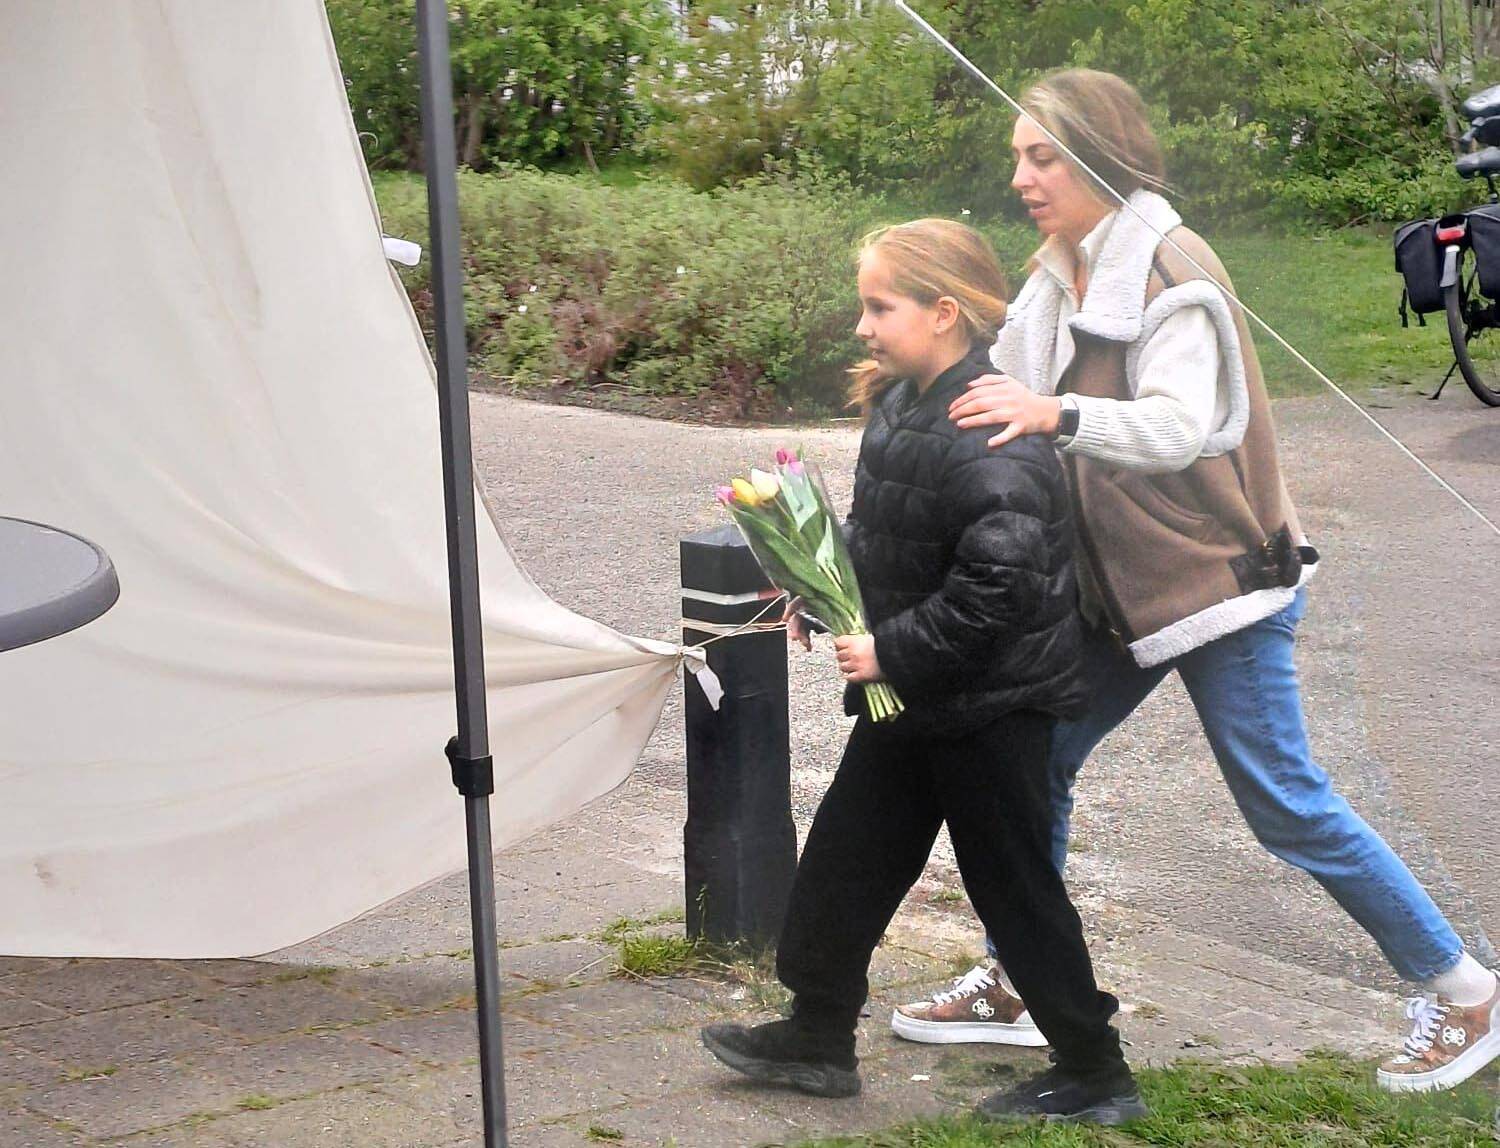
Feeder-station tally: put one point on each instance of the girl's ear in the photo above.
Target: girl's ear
(947, 314)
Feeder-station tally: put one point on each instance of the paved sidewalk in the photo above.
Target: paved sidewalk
(366, 1036)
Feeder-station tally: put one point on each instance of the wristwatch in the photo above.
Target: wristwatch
(1067, 420)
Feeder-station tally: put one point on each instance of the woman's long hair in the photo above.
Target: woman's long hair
(928, 259)
(1104, 120)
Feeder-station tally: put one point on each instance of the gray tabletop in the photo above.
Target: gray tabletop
(50, 582)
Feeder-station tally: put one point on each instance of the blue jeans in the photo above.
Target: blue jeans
(1244, 687)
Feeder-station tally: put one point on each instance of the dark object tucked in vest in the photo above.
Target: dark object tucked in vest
(964, 557)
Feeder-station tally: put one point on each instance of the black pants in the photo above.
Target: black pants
(870, 841)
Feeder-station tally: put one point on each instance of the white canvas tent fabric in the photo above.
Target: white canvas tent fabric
(209, 369)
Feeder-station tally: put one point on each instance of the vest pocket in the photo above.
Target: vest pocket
(1146, 492)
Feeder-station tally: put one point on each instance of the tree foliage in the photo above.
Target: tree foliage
(534, 82)
(1337, 110)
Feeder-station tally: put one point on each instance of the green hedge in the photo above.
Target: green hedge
(745, 291)
(571, 281)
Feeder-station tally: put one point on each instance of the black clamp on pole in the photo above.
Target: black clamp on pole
(473, 776)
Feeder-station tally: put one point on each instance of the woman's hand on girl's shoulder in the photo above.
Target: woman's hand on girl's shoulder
(998, 400)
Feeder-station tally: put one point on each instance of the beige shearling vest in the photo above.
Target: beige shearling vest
(1176, 560)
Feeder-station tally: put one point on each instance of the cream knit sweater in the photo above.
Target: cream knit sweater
(1179, 401)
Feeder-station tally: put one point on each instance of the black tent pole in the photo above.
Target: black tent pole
(469, 752)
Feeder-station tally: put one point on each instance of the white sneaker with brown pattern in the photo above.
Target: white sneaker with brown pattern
(976, 1009)
(1448, 1044)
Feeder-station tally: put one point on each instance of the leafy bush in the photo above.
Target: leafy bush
(746, 291)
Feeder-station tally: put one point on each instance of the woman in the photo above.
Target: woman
(1190, 553)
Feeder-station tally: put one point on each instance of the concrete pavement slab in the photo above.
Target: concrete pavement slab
(299, 1065)
(16, 1011)
(447, 1038)
(423, 984)
(293, 1004)
(608, 1009)
(20, 1069)
(554, 963)
(133, 1034)
(203, 1133)
(36, 1132)
(79, 986)
(133, 1099)
(447, 1103)
(343, 1118)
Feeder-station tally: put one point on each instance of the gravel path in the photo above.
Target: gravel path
(1400, 655)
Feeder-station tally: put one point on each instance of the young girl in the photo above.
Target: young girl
(964, 560)
(1121, 355)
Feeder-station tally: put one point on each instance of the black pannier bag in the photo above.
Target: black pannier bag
(1420, 263)
(1484, 239)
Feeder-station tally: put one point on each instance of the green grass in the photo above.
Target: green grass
(73, 1075)
(649, 955)
(1334, 298)
(255, 1102)
(1325, 1102)
(643, 953)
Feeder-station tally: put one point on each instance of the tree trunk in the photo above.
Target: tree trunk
(1484, 34)
(1452, 126)
(473, 116)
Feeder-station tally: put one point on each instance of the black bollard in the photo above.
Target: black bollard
(739, 843)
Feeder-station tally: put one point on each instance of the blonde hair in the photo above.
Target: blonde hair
(928, 259)
(1104, 121)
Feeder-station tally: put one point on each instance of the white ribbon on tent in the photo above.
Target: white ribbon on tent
(210, 370)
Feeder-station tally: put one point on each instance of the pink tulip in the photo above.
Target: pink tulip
(725, 494)
(783, 456)
(796, 467)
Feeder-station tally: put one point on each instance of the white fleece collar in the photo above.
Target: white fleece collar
(1112, 307)
(1116, 297)
(1055, 257)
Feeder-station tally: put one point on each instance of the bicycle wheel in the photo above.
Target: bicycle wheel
(1473, 331)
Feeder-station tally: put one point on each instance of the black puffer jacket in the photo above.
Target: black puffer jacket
(964, 557)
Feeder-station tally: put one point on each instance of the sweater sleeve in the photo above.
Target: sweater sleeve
(998, 506)
(1176, 405)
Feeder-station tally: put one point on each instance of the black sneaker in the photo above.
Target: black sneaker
(782, 1052)
(1108, 1097)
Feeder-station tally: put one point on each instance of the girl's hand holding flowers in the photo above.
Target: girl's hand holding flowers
(856, 658)
(995, 399)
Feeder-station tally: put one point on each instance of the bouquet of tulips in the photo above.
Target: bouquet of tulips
(785, 517)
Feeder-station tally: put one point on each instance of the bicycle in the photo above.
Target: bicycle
(1469, 299)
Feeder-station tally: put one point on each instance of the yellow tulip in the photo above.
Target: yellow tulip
(765, 485)
(745, 492)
